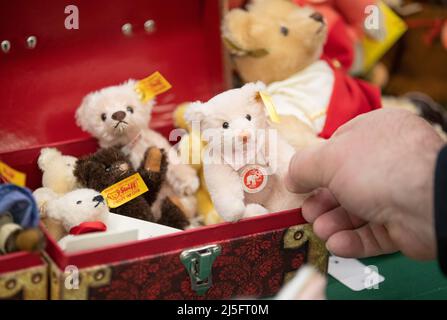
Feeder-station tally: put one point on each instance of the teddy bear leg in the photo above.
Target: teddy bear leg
(137, 208)
(31, 240)
(14, 238)
(172, 214)
(253, 210)
(153, 171)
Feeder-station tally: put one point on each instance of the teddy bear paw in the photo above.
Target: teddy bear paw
(231, 213)
(185, 185)
(253, 210)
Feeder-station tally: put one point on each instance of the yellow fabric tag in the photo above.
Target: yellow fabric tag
(11, 175)
(373, 50)
(268, 102)
(124, 191)
(152, 86)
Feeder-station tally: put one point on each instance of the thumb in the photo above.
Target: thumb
(311, 168)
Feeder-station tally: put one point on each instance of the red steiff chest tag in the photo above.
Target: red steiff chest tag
(254, 178)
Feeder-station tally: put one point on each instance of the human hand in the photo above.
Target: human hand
(373, 183)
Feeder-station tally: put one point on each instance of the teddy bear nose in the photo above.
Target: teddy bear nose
(245, 136)
(98, 198)
(317, 17)
(119, 116)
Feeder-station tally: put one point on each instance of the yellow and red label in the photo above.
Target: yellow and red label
(11, 175)
(254, 179)
(270, 106)
(152, 86)
(124, 191)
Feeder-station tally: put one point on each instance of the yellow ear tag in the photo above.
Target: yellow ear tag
(11, 175)
(124, 191)
(374, 50)
(268, 102)
(152, 86)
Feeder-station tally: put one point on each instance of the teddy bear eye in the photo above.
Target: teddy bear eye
(284, 31)
(103, 117)
(79, 202)
(225, 125)
(108, 168)
(130, 109)
(248, 117)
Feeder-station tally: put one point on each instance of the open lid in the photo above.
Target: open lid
(41, 88)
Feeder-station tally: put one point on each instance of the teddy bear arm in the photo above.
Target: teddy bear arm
(153, 171)
(182, 177)
(225, 190)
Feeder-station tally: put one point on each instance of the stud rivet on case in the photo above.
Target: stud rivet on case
(11, 284)
(99, 275)
(127, 29)
(298, 235)
(149, 26)
(31, 42)
(36, 278)
(6, 46)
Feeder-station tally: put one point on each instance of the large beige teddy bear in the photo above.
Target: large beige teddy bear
(281, 44)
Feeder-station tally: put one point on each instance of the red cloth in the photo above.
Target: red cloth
(345, 20)
(88, 227)
(339, 45)
(350, 98)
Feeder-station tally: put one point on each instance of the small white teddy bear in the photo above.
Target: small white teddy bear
(117, 117)
(57, 170)
(245, 160)
(77, 212)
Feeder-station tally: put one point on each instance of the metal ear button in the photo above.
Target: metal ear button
(149, 26)
(31, 42)
(6, 46)
(127, 29)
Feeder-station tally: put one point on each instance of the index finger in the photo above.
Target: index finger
(311, 168)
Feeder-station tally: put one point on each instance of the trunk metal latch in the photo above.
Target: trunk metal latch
(199, 262)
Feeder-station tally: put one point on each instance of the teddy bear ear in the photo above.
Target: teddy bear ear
(196, 111)
(252, 90)
(47, 155)
(81, 171)
(130, 86)
(81, 112)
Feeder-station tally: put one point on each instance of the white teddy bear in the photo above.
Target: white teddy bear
(245, 160)
(57, 175)
(57, 170)
(77, 212)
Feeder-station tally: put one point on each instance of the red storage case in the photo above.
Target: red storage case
(41, 87)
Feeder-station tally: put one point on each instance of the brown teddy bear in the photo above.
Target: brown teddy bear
(110, 165)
